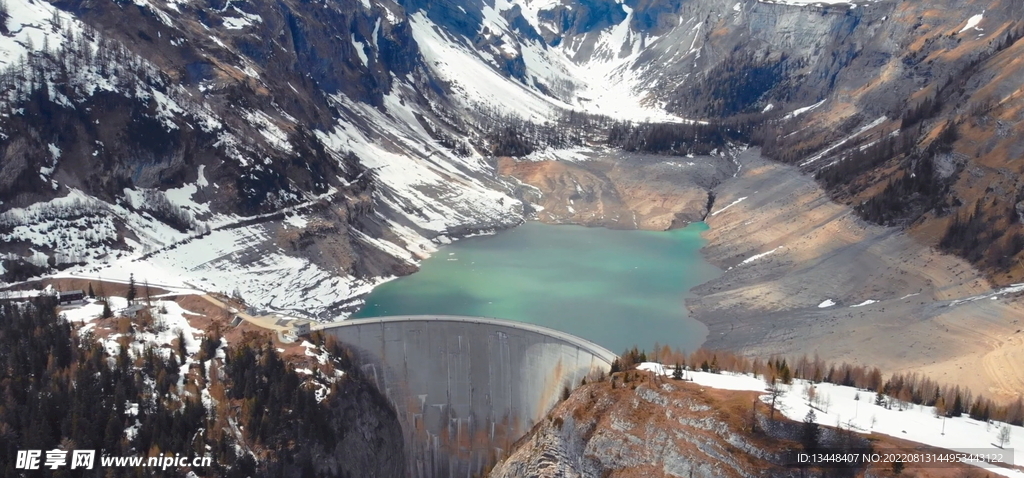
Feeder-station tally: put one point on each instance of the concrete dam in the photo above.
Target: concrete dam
(466, 388)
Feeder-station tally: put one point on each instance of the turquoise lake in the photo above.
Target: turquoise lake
(615, 288)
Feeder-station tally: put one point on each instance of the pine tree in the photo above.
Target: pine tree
(182, 351)
(958, 405)
(107, 313)
(810, 432)
(678, 372)
(92, 295)
(131, 289)
(785, 374)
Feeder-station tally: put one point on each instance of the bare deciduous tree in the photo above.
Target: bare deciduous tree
(1003, 437)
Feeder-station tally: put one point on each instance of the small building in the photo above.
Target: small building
(288, 328)
(133, 310)
(71, 297)
(300, 327)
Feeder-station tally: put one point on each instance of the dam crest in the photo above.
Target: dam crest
(466, 388)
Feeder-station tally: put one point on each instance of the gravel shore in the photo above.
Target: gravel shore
(805, 275)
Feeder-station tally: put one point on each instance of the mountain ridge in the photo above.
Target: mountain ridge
(239, 113)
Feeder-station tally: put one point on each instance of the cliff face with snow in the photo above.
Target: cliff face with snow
(288, 152)
(654, 426)
(300, 152)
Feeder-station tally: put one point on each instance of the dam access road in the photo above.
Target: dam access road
(466, 388)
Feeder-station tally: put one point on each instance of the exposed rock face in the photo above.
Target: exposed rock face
(650, 429)
(371, 438)
(620, 190)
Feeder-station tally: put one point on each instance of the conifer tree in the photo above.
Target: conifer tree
(958, 405)
(811, 431)
(182, 351)
(131, 289)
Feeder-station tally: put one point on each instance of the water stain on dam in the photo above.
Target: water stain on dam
(466, 388)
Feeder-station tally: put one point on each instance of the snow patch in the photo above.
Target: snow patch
(972, 22)
(800, 111)
(843, 141)
(729, 206)
(360, 49)
(758, 256)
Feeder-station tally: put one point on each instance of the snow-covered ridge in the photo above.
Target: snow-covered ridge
(608, 81)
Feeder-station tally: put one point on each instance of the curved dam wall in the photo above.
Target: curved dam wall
(466, 388)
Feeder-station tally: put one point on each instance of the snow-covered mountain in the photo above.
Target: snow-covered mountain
(299, 152)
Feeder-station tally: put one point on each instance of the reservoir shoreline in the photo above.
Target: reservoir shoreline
(805, 275)
(802, 274)
(617, 288)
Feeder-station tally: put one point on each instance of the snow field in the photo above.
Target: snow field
(855, 409)
(166, 326)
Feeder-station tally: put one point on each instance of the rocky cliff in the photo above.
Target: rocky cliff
(647, 426)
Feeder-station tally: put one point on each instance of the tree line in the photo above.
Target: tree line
(671, 138)
(898, 390)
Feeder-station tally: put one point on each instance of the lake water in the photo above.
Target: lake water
(615, 288)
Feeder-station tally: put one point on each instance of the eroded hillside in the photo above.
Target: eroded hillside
(636, 424)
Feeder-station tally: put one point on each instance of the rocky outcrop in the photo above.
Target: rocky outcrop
(620, 190)
(370, 442)
(650, 427)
